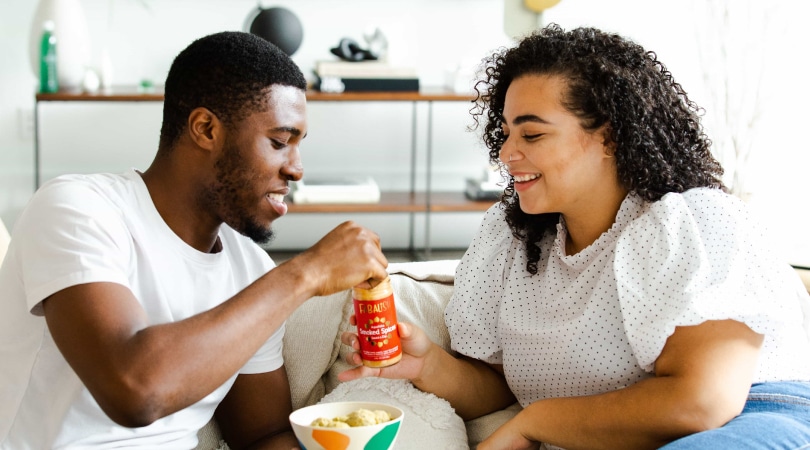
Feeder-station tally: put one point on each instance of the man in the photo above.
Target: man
(134, 306)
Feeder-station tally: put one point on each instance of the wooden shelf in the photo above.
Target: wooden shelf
(425, 94)
(413, 201)
(116, 94)
(456, 202)
(132, 94)
(399, 202)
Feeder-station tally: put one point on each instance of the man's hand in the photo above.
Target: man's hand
(347, 256)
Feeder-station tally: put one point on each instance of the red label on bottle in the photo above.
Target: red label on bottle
(377, 329)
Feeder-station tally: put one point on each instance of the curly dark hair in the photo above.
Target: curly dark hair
(229, 73)
(660, 145)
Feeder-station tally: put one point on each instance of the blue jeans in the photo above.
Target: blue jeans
(775, 416)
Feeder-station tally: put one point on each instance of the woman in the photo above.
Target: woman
(617, 291)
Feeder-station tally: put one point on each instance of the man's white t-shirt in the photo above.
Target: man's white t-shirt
(104, 228)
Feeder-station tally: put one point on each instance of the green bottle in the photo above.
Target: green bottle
(47, 60)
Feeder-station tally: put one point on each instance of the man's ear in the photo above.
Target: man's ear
(204, 128)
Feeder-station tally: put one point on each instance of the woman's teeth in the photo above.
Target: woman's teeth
(523, 178)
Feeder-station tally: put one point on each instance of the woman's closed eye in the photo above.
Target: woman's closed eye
(525, 136)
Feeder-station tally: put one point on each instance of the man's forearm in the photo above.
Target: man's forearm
(281, 441)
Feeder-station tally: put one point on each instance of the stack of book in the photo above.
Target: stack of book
(336, 190)
(490, 187)
(364, 76)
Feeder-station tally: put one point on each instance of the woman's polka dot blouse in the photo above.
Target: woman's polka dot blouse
(597, 320)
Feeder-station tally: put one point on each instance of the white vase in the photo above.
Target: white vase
(106, 70)
(72, 40)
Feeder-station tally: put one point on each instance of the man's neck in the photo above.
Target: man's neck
(173, 194)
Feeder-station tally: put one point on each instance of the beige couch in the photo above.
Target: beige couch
(314, 356)
(4, 241)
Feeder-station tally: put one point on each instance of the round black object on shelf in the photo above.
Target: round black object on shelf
(279, 26)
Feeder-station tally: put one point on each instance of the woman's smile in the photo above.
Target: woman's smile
(525, 181)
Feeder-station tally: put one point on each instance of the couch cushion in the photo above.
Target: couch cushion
(311, 345)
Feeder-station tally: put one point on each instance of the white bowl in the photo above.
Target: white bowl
(369, 437)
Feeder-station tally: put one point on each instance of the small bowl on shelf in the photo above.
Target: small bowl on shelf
(378, 436)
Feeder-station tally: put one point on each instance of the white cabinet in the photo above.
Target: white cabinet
(415, 145)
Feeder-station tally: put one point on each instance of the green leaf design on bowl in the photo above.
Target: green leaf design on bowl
(383, 439)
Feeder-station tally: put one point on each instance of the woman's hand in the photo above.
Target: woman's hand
(472, 387)
(416, 346)
(509, 437)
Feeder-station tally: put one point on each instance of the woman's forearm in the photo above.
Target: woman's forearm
(702, 380)
(472, 387)
(646, 415)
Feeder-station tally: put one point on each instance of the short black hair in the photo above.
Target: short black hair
(660, 145)
(228, 73)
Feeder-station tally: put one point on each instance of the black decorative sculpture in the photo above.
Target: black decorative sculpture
(277, 25)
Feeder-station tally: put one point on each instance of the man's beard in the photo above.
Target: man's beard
(256, 232)
(232, 176)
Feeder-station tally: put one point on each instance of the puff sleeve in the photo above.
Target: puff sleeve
(694, 257)
(472, 312)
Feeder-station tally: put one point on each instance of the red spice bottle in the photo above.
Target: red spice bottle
(377, 329)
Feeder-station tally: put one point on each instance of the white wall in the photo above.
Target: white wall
(780, 163)
(430, 34)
